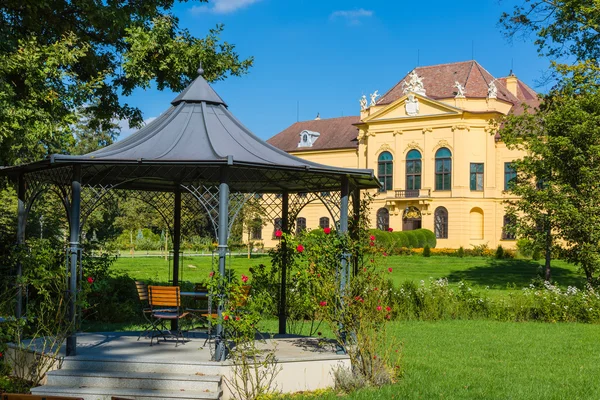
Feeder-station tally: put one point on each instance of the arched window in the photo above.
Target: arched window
(476, 223)
(441, 223)
(324, 222)
(277, 226)
(385, 167)
(443, 169)
(383, 219)
(413, 170)
(300, 225)
(256, 229)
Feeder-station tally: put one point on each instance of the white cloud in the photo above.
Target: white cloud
(353, 17)
(126, 130)
(223, 6)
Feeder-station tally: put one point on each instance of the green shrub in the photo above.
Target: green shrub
(421, 238)
(426, 251)
(499, 253)
(400, 238)
(430, 236)
(413, 241)
(525, 247)
(460, 252)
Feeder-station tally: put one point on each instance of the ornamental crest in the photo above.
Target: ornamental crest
(411, 213)
(411, 105)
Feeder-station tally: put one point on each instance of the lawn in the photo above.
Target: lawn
(500, 276)
(493, 360)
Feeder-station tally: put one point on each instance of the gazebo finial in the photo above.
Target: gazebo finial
(200, 70)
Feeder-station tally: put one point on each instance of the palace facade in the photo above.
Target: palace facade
(430, 142)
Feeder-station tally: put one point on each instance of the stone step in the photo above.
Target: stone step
(113, 365)
(134, 380)
(97, 393)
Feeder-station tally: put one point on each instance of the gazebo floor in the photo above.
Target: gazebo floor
(117, 364)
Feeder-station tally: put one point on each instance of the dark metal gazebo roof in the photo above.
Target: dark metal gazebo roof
(199, 131)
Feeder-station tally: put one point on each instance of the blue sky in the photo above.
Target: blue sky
(326, 54)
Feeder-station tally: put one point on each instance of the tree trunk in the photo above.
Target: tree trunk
(249, 255)
(547, 273)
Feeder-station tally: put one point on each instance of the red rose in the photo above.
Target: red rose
(278, 233)
(390, 269)
(384, 254)
(211, 274)
(244, 278)
(226, 317)
(90, 280)
(388, 309)
(372, 238)
(327, 231)
(378, 308)
(371, 243)
(390, 230)
(388, 316)
(323, 303)
(300, 248)
(237, 318)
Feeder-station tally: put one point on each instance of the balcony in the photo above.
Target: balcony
(412, 193)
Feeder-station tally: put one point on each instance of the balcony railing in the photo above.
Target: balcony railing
(413, 193)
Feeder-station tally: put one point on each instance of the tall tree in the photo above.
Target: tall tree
(558, 178)
(563, 27)
(57, 56)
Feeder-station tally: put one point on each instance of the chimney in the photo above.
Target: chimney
(512, 83)
(318, 117)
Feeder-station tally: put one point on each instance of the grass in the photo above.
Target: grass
(500, 276)
(459, 359)
(493, 360)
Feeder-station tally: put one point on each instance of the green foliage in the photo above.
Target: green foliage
(60, 57)
(563, 28)
(426, 251)
(499, 252)
(421, 238)
(460, 252)
(391, 241)
(558, 203)
(400, 239)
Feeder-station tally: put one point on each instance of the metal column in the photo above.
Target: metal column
(282, 288)
(176, 245)
(220, 351)
(74, 217)
(356, 225)
(21, 222)
(345, 191)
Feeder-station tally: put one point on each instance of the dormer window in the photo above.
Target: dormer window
(308, 138)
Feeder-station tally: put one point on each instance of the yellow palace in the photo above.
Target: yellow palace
(429, 141)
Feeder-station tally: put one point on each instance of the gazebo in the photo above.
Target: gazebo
(197, 157)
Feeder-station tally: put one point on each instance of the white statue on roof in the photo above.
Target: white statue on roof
(363, 103)
(374, 97)
(492, 90)
(460, 89)
(414, 83)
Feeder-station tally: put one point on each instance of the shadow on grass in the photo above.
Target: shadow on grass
(499, 274)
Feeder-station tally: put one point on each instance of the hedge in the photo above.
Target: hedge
(417, 238)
